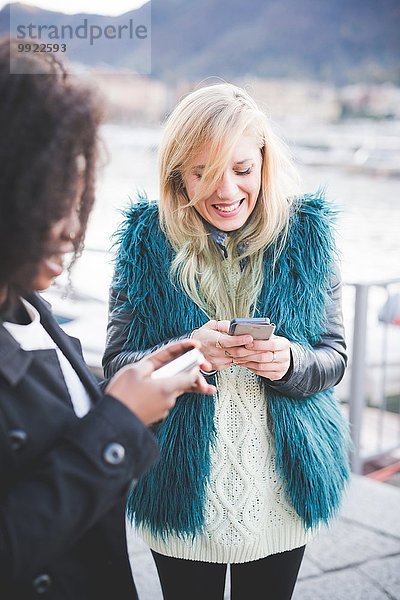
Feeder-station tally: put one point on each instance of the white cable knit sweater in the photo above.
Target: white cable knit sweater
(247, 515)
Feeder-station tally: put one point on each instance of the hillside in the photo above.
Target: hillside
(337, 41)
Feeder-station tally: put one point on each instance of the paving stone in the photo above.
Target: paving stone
(366, 533)
(143, 567)
(227, 594)
(308, 567)
(135, 544)
(145, 576)
(346, 543)
(340, 585)
(373, 504)
(386, 573)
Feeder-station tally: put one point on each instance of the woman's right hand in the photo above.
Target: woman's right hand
(219, 348)
(152, 399)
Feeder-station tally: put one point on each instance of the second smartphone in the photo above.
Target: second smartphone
(260, 328)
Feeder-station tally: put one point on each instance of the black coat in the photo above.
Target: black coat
(63, 480)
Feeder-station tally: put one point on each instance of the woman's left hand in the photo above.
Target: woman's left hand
(271, 358)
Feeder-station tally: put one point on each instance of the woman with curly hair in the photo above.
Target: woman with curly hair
(69, 450)
(247, 478)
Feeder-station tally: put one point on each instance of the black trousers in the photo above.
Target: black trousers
(270, 578)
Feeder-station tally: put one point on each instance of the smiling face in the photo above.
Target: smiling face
(60, 243)
(231, 203)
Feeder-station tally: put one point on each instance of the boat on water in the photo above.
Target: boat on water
(377, 161)
(368, 159)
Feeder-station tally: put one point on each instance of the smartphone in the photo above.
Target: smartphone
(260, 328)
(185, 362)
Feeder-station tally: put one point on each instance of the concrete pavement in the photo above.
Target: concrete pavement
(356, 558)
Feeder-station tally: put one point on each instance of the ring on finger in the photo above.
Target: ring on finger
(217, 343)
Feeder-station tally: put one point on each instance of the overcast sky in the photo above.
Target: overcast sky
(116, 7)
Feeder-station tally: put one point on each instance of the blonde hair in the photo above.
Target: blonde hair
(217, 117)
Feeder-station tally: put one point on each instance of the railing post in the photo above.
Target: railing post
(358, 374)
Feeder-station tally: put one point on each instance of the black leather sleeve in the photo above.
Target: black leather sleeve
(116, 355)
(321, 367)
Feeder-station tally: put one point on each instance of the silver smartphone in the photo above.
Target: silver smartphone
(185, 362)
(260, 328)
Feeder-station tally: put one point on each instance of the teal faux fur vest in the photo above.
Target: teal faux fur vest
(311, 437)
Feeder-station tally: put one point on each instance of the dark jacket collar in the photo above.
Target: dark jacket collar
(220, 238)
(14, 361)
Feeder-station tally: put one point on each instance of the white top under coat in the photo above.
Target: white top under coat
(33, 336)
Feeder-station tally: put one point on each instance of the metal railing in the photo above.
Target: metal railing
(359, 365)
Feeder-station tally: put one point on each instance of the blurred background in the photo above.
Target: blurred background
(328, 74)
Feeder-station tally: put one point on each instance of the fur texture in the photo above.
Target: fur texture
(311, 436)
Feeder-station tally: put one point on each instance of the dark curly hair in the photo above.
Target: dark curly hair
(47, 120)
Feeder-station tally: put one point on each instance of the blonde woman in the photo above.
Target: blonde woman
(246, 478)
